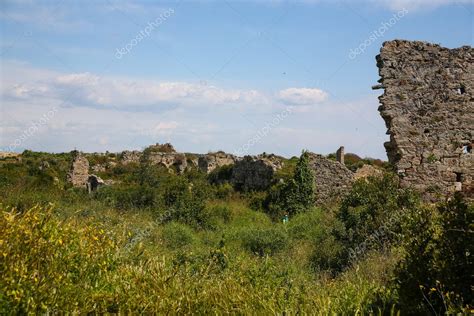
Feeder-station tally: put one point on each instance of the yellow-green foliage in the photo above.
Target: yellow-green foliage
(81, 266)
(49, 265)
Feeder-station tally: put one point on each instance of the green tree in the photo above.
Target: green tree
(298, 193)
(436, 274)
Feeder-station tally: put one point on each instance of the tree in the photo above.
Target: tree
(298, 193)
(436, 275)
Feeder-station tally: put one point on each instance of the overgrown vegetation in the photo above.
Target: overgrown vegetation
(156, 242)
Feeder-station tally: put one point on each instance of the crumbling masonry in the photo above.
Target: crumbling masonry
(428, 108)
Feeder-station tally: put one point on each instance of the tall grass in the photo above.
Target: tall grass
(52, 266)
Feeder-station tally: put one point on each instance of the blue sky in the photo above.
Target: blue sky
(240, 76)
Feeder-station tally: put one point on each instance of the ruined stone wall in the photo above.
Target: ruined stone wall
(255, 172)
(78, 174)
(333, 179)
(207, 163)
(428, 108)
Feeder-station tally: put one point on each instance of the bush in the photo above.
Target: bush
(264, 241)
(435, 274)
(50, 267)
(373, 204)
(296, 195)
(320, 228)
(185, 200)
(220, 213)
(223, 191)
(221, 175)
(177, 235)
(129, 196)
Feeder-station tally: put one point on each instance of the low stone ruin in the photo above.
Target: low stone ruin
(93, 183)
(428, 108)
(255, 172)
(209, 162)
(367, 171)
(79, 176)
(249, 173)
(332, 178)
(169, 160)
(128, 157)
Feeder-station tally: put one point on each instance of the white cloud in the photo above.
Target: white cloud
(418, 5)
(111, 113)
(87, 89)
(302, 96)
(395, 5)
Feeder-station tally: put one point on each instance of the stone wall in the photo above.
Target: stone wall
(428, 108)
(127, 157)
(207, 163)
(255, 172)
(333, 179)
(78, 174)
(169, 160)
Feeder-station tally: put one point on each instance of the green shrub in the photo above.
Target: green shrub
(257, 200)
(320, 227)
(221, 175)
(264, 241)
(296, 195)
(129, 196)
(373, 204)
(221, 213)
(48, 266)
(185, 201)
(223, 191)
(435, 274)
(177, 235)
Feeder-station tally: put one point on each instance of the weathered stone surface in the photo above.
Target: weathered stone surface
(428, 108)
(162, 148)
(340, 155)
(169, 160)
(162, 155)
(207, 163)
(79, 171)
(130, 157)
(44, 165)
(333, 179)
(255, 172)
(367, 171)
(99, 168)
(94, 182)
(16, 157)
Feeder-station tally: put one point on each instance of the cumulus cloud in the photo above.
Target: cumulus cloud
(87, 89)
(302, 96)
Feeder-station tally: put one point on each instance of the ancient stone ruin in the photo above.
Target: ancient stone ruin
(78, 174)
(333, 179)
(340, 155)
(367, 171)
(250, 173)
(93, 183)
(207, 163)
(428, 108)
(255, 172)
(161, 155)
